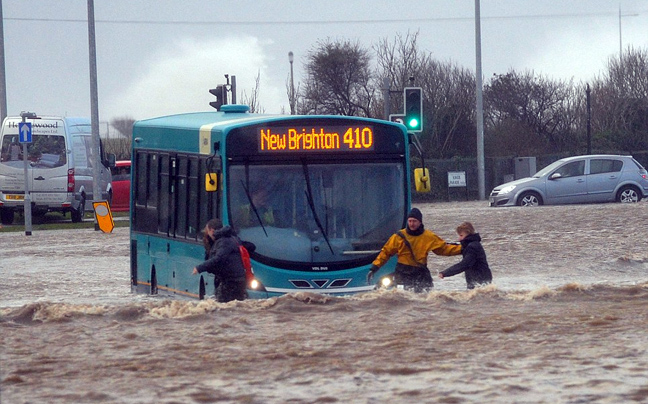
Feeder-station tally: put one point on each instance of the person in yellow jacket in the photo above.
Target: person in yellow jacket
(412, 245)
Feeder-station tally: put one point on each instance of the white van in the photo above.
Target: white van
(59, 169)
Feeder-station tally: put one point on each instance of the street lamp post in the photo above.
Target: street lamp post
(291, 58)
(620, 36)
(479, 109)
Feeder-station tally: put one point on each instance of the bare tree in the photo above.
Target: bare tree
(538, 111)
(339, 80)
(253, 100)
(448, 93)
(123, 125)
(121, 145)
(398, 61)
(620, 103)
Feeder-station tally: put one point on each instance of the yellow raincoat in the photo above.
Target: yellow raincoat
(421, 245)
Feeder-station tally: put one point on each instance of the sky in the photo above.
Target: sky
(160, 57)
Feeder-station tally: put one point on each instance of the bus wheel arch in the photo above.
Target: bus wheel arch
(201, 289)
(154, 286)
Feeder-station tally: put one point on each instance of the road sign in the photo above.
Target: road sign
(104, 216)
(24, 132)
(456, 179)
(397, 118)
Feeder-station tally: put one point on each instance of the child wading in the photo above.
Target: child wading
(474, 263)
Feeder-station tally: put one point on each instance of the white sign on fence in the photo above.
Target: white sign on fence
(456, 179)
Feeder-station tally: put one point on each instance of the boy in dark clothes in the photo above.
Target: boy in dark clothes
(474, 263)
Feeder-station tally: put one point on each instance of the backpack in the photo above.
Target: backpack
(247, 264)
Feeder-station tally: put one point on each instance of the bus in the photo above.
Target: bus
(318, 196)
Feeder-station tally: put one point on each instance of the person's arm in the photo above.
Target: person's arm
(213, 263)
(469, 260)
(440, 247)
(387, 251)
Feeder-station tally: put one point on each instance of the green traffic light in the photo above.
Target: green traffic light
(413, 123)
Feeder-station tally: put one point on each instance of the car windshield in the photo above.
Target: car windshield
(320, 212)
(548, 169)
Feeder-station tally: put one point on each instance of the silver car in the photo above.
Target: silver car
(579, 179)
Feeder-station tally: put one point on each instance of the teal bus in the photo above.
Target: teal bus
(317, 196)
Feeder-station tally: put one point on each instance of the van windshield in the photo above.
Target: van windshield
(45, 151)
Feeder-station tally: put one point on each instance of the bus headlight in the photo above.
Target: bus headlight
(386, 282)
(254, 284)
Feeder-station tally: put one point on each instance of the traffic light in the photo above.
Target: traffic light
(413, 109)
(221, 96)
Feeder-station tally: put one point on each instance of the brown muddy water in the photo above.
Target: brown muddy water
(565, 321)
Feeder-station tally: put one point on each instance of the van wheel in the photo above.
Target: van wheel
(6, 216)
(77, 214)
(628, 194)
(529, 198)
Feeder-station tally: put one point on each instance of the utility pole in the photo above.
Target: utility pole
(479, 111)
(94, 110)
(589, 120)
(3, 79)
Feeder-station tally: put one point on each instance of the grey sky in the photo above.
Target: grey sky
(160, 57)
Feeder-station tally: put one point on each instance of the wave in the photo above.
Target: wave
(169, 308)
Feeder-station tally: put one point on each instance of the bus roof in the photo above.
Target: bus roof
(230, 116)
(186, 132)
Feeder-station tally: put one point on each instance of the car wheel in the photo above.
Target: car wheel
(529, 199)
(628, 194)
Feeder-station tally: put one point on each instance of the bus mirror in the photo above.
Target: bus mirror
(211, 182)
(422, 180)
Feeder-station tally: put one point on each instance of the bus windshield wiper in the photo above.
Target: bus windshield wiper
(254, 209)
(311, 205)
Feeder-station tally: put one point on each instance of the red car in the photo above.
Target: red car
(121, 186)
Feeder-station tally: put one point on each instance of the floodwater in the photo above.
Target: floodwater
(565, 321)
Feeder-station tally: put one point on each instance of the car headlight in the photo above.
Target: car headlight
(506, 189)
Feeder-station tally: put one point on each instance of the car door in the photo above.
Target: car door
(567, 184)
(604, 175)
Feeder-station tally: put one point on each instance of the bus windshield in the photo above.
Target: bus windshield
(317, 213)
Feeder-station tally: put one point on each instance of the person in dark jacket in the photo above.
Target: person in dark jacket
(474, 263)
(224, 261)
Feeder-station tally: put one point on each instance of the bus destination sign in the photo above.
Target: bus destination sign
(316, 139)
